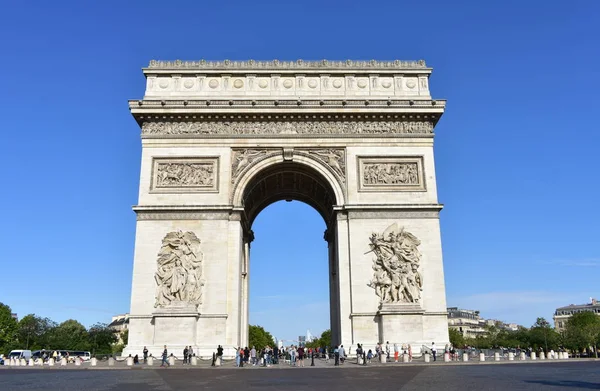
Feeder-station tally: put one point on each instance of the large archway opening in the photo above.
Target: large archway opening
(295, 271)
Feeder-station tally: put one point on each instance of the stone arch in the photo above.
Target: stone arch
(274, 178)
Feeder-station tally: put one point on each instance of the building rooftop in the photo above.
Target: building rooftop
(593, 304)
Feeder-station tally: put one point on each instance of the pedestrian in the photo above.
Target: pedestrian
(396, 353)
(301, 356)
(434, 351)
(185, 355)
(387, 350)
(342, 353)
(145, 352)
(253, 356)
(190, 354)
(165, 355)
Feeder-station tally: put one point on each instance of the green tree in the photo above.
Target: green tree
(259, 337)
(101, 339)
(34, 332)
(325, 339)
(582, 331)
(542, 335)
(456, 338)
(70, 335)
(8, 329)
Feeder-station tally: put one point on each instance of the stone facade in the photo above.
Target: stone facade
(223, 140)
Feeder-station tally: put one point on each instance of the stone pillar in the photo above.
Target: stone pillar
(219, 361)
(566, 355)
(405, 357)
(427, 357)
(63, 362)
(51, 362)
(542, 356)
(129, 361)
(23, 362)
(560, 355)
(446, 357)
(523, 357)
(345, 283)
(171, 360)
(496, 356)
(150, 360)
(77, 361)
(383, 358)
(482, 356)
(465, 357)
(511, 356)
(15, 362)
(31, 362)
(533, 356)
(111, 362)
(94, 361)
(194, 360)
(359, 360)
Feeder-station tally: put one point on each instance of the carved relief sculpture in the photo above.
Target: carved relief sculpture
(391, 174)
(334, 158)
(396, 277)
(400, 173)
(243, 158)
(179, 270)
(296, 127)
(199, 174)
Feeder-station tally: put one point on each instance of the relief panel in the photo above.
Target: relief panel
(185, 175)
(391, 173)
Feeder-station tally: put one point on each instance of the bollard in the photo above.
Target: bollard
(427, 357)
(496, 356)
(533, 356)
(511, 356)
(465, 357)
(8, 362)
(94, 361)
(219, 361)
(77, 362)
(522, 356)
(172, 360)
(446, 357)
(23, 362)
(482, 357)
(63, 362)
(560, 355)
(566, 355)
(542, 356)
(129, 361)
(51, 362)
(405, 357)
(150, 360)
(111, 362)
(40, 362)
(31, 362)
(383, 358)
(359, 362)
(194, 360)
(16, 362)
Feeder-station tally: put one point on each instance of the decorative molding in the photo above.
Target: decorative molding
(393, 214)
(185, 175)
(183, 215)
(179, 279)
(390, 173)
(276, 64)
(286, 127)
(396, 277)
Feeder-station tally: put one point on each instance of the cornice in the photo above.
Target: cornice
(299, 65)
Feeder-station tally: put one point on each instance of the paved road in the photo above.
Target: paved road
(547, 376)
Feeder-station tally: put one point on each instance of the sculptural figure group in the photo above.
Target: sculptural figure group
(396, 277)
(179, 272)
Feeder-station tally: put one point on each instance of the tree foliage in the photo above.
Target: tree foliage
(8, 329)
(582, 331)
(34, 332)
(101, 339)
(259, 337)
(456, 338)
(70, 335)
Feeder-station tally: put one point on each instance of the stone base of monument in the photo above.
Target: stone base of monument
(401, 321)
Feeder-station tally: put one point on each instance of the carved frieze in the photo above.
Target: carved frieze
(188, 174)
(396, 262)
(289, 127)
(391, 174)
(179, 279)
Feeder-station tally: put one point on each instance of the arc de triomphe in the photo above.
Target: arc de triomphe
(223, 140)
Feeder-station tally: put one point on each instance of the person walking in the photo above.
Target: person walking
(342, 353)
(145, 352)
(434, 351)
(387, 350)
(190, 354)
(185, 355)
(300, 356)
(165, 355)
(253, 356)
(396, 353)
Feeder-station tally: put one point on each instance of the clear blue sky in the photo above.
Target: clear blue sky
(516, 152)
